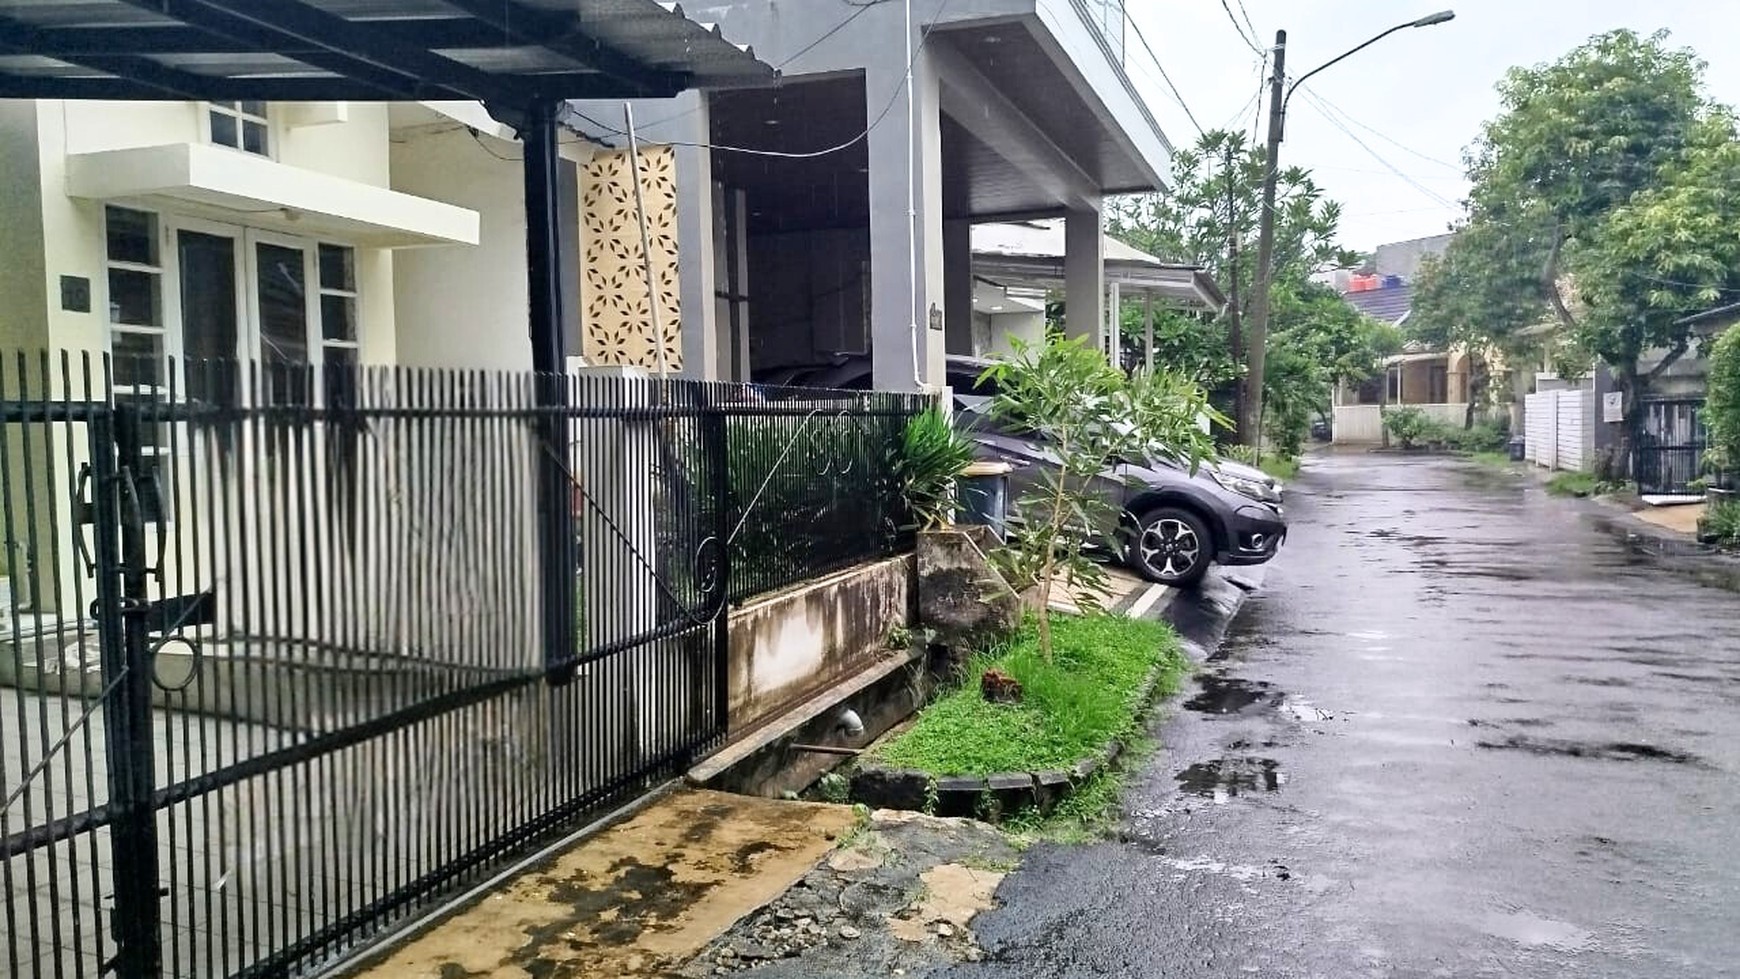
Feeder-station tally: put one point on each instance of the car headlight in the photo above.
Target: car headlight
(1249, 488)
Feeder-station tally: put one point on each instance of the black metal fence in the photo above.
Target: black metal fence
(813, 486)
(1670, 446)
(292, 657)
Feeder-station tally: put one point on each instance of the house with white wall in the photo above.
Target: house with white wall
(788, 230)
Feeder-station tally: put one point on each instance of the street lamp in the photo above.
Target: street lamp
(1251, 405)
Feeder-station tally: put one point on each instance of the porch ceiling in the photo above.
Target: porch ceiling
(1083, 148)
(796, 194)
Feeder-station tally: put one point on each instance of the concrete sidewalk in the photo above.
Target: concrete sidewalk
(638, 899)
(701, 883)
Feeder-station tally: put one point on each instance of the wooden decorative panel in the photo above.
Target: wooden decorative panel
(617, 326)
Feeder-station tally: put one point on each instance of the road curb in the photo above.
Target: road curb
(1201, 618)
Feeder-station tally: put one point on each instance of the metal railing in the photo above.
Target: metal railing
(293, 656)
(813, 485)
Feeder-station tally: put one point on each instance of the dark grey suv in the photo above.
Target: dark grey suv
(1175, 523)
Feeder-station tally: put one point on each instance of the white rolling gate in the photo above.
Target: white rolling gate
(1559, 428)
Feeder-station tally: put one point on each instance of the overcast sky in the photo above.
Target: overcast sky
(1415, 99)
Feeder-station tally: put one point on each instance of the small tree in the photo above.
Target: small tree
(1088, 415)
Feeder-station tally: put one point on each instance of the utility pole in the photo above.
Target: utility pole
(1251, 409)
(1235, 313)
(1251, 405)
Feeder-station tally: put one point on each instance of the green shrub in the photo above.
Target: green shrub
(932, 455)
(1722, 407)
(1246, 454)
(1484, 437)
(1723, 523)
(1408, 426)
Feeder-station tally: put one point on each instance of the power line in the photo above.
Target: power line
(1262, 83)
(1392, 168)
(899, 88)
(860, 8)
(1167, 78)
(863, 6)
(1250, 42)
(1248, 23)
(1384, 136)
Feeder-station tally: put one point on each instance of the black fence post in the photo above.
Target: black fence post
(714, 435)
(119, 530)
(549, 321)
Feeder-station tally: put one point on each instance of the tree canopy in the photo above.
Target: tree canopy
(1605, 197)
(1210, 218)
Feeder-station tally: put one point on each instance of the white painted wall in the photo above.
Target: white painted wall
(45, 234)
(1364, 424)
(464, 306)
(1029, 328)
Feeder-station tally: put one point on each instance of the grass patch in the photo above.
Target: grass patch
(1283, 469)
(1090, 694)
(1579, 484)
(1497, 460)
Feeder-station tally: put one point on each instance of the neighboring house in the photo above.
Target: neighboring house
(212, 572)
(1016, 265)
(1435, 381)
(783, 235)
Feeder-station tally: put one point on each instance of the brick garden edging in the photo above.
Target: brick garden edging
(979, 795)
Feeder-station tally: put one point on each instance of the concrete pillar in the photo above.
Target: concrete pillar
(1084, 274)
(1115, 326)
(695, 223)
(1148, 332)
(614, 459)
(958, 287)
(905, 288)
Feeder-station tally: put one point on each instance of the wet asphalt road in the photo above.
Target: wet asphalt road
(1460, 732)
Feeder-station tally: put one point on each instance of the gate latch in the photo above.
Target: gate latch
(171, 614)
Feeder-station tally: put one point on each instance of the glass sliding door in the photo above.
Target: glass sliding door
(210, 316)
(281, 307)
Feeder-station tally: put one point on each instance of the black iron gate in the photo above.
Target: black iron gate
(1669, 446)
(272, 679)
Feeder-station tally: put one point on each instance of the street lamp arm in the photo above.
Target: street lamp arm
(1427, 21)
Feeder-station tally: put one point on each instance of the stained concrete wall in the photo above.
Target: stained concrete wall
(792, 645)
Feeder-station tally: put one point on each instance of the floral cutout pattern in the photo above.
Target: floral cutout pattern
(617, 325)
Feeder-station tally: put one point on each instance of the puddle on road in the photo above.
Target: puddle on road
(1610, 751)
(1307, 713)
(1528, 928)
(1222, 694)
(1225, 778)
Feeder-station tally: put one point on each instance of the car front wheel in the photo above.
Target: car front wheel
(1172, 547)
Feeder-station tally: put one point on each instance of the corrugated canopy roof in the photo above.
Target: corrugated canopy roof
(1032, 253)
(505, 53)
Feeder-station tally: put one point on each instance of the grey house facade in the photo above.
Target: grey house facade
(830, 214)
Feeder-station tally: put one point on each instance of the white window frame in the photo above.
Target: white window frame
(248, 348)
(354, 294)
(234, 111)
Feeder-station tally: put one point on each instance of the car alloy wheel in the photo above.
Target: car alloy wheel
(1170, 549)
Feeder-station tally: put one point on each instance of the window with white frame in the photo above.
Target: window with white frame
(137, 332)
(135, 272)
(338, 334)
(242, 125)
